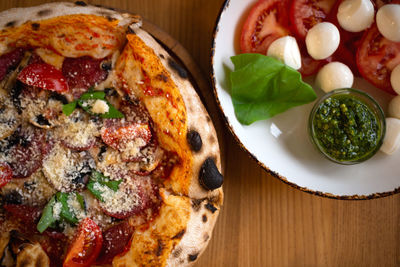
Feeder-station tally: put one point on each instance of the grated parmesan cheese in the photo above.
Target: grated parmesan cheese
(57, 210)
(100, 107)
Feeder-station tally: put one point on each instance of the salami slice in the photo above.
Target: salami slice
(10, 60)
(115, 241)
(26, 155)
(133, 197)
(82, 73)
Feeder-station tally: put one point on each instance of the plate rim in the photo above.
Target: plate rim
(274, 174)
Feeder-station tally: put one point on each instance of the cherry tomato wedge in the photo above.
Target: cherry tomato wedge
(267, 21)
(305, 14)
(376, 58)
(118, 136)
(86, 245)
(44, 76)
(5, 174)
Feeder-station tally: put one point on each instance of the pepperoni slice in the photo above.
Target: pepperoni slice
(136, 196)
(27, 154)
(82, 73)
(5, 174)
(10, 60)
(53, 243)
(116, 241)
(29, 215)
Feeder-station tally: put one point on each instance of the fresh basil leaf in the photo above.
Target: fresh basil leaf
(96, 193)
(66, 213)
(81, 200)
(67, 109)
(104, 180)
(263, 87)
(93, 95)
(112, 113)
(47, 218)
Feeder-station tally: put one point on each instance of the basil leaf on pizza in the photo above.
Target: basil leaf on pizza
(103, 143)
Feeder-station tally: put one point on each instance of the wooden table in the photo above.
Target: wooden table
(265, 222)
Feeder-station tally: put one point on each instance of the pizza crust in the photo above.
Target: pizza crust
(196, 211)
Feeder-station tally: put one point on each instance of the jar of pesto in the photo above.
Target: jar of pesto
(347, 126)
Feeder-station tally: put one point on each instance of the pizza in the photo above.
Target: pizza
(107, 155)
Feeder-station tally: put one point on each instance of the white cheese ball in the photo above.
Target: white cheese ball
(286, 50)
(333, 76)
(388, 22)
(355, 15)
(395, 79)
(394, 107)
(391, 142)
(322, 40)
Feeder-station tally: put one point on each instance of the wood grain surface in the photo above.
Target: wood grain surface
(265, 222)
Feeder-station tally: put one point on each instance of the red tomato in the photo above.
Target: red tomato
(376, 58)
(86, 245)
(116, 241)
(44, 76)
(268, 20)
(5, 174)
(117, 136)
(305, 14)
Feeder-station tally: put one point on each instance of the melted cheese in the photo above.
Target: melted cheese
(50, 57)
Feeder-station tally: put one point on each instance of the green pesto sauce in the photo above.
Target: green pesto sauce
(346, 128)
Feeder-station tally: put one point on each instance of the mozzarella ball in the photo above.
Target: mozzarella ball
(395, 79)
(286, 50)
(322, 40)
(355, 15)
(333, 76)
(388, 22)
(391, 142)
(394, 107)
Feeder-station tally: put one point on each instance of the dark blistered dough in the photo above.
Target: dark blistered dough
(194, 140)
(210, 177)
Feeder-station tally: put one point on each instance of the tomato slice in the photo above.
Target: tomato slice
(376, 58)
(5, 174)
(304, 14)
(44, 76)
(86, 246)
(268, 20)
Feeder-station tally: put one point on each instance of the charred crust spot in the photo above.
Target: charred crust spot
(10, 23)
(179, 235)
(80, 3)
(161, 56)
(162, 77)
(35, 26)
(103, 13)
(206, 237)
(111, 8)
(110, 19)
(211, 207)
(44, 12)
(204, 218)
(160, 247)
(194, 140)
(193, 257)
(130, 31)
(196, 204)
(178, 68)
(209, 176)
(177, 252)
(208, 118)
(211, 139)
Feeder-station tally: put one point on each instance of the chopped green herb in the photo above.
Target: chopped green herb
(47, 218)
(69, 108)
(101, 180)
(66, 213)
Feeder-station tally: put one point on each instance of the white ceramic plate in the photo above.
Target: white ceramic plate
(281, 145)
